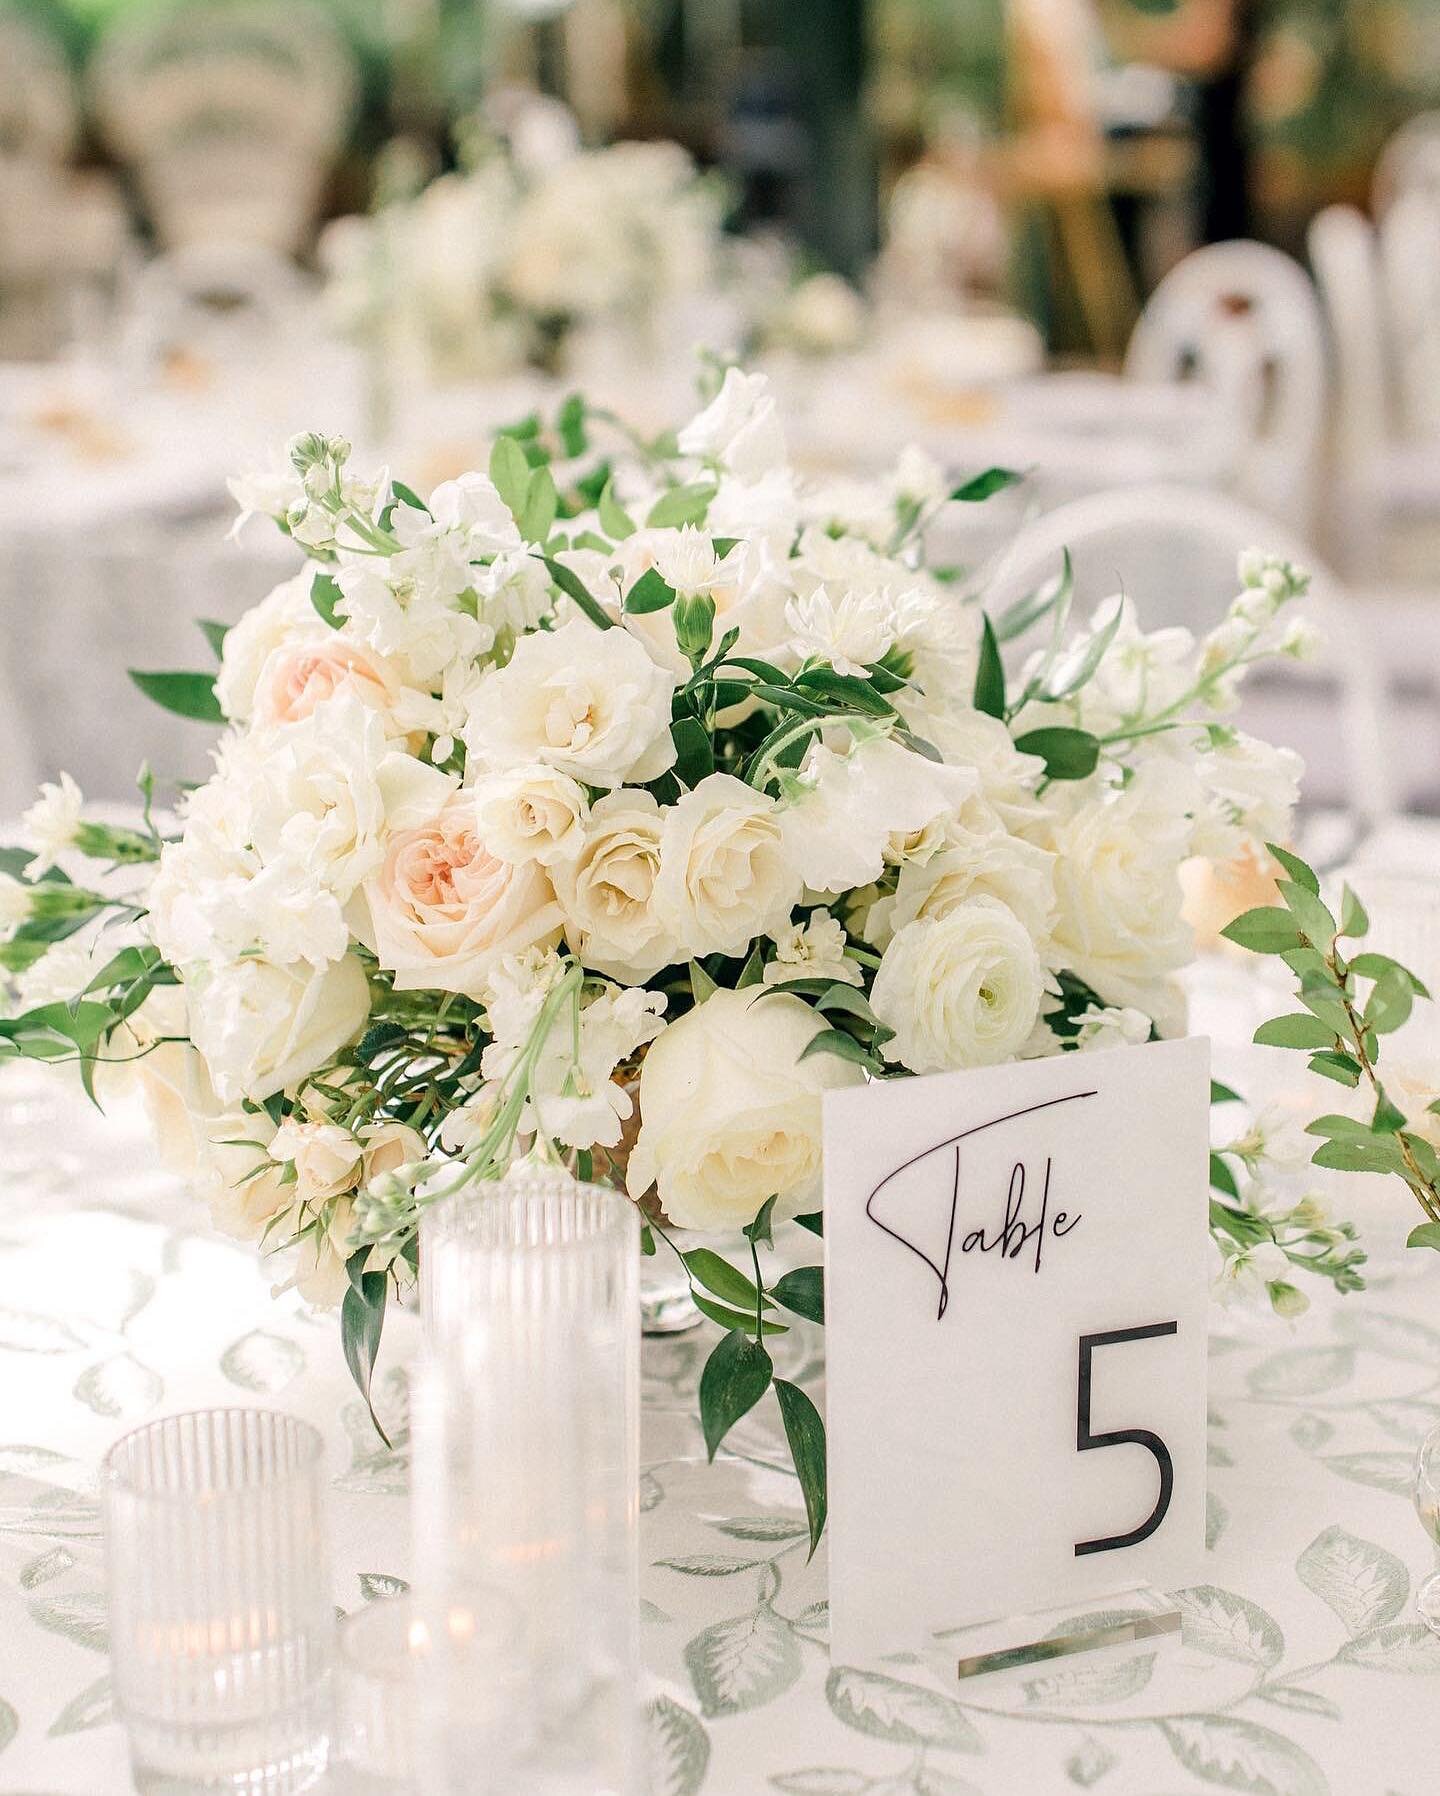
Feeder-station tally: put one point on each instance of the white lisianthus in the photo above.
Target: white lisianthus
(589, 702)
(442, 908)
(419, 629)
(262, 1028)
(726, 874)
(730, 1112)
(812, 950)
(739, 429)
(531, 814)
(51, 822)
(959, 990)
(607, 892)
(1117, 883)
(852, 808)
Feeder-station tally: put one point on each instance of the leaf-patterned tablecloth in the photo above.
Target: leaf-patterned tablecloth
(1302, 1672)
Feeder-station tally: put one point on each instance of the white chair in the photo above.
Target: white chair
(1387, 481)
(1174, 549)
(1409, 162)
(231, 112)
(1244, 318)
(227, 301)
(1409, 240)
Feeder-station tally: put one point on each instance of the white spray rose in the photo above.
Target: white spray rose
(531, 814)
(589, 702)
(608, 891)
(730, 1113)
(959, 990)
(326, 1158)
(726, 874)
(262, 1028)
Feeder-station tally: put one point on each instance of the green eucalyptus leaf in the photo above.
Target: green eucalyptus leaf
(736, 1376)
(1387, 1119)
(681, 505)
(574, 587)
(615, 521)
(1309, 912)
(1375, 966)
(1427, 1234)
(1332, 1064)
(1389, 1004)
(1353, 920)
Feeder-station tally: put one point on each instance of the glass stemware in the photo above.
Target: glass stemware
(1427, 1505)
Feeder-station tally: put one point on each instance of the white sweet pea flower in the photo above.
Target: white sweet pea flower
(812, 950)
(739, 429)
(51, 823)
(591, 703)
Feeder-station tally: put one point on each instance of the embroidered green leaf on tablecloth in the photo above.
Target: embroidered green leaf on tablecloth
(1364, 1584)
(261, 1361)
(932, 1780)
(821, 1780)
(1216, 1516)
(889, 1709)
(93, 1707)
(652, 1492)
(1404, 1418)
(1301, 1372)
(1397, 1337)
(1382, 1471)
(1239, 1755)
(23, 1332)
(27, 1462)
(1104, 1680)
(763, 1527)
(1405, 1646)
(81, 1617)
(1089, 1763)
(708, 1565)
(679, 1749)
(1310, 1433)
(9, 1724)
(1303, 1702)
(49, 1565)
(743, 1662)
(1227, 1626)
(119, 1387)
(374, 1586)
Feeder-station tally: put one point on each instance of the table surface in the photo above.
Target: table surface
(1302, 1671)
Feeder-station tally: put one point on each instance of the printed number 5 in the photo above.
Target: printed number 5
(1085, 1440)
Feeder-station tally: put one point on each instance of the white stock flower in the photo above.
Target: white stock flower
(730, 1112)
(607, 892)
(959, 990)
(726, 874)
(419, 628)
(739, 429)
(1007, 779)
(812, 950)
(262, 1028)
(1140, 673)
(856, 808)
(443, 909)
(589, 702)
(51, 822)
(531, 814)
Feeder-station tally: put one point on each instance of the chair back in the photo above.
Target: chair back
(1343, 255)
(1245, 318)
(1409, 162)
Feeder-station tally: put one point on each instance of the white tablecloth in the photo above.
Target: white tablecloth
(1302, 1672)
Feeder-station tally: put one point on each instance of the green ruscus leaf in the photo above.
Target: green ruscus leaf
(736, 1376)
(1266, 930)
(186, 694)
(803, 1291)
(362, 1319)
(805, 1432)
(990, 675)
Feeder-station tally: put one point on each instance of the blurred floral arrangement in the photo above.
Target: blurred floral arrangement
(612, 805)
(496, 265)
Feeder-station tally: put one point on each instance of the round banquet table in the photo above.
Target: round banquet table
(1302, 1670)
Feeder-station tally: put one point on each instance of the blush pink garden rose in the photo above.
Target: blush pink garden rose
(443, 909)
(302, 674)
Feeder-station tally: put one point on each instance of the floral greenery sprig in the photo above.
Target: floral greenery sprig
(1351, 999)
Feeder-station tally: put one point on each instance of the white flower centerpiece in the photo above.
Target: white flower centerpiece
(614, 806)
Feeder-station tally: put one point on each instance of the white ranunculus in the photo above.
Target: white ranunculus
(589, 702)
(726, 873)
(531, 814)
(840, 830)
(739, 428)
(959, 990)
(262, 1028)
(277, 622)
(730, 1113)
(1117, 884)
(608, 891)
(443, 909)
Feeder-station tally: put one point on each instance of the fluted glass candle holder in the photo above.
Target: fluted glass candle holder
(221, 1619)
(525, 1488)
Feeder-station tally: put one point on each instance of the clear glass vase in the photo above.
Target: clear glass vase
(221, 1618)
(525, 1481)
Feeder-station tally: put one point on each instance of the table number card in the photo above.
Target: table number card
(1016, 1290)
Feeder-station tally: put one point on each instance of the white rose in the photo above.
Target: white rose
(276, 622)
(443, 908)
(1117, 883)
(739, 428)
(959, 990)
(531, 814)
(589, 702)
(262, 1028)
(326, 1158)
(973, 858)
(608, 891)
(303, 673)
(726, 873)
(730, 1113)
